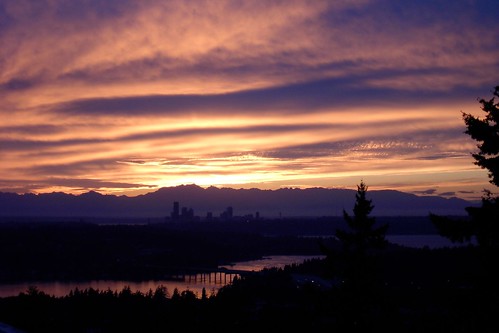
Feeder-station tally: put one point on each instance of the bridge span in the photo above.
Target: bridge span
(220, 276)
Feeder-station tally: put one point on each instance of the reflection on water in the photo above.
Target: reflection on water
(268, 262)
(211, 282)
(195, 282)
(62, 288)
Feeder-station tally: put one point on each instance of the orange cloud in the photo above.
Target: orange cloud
(156, 93)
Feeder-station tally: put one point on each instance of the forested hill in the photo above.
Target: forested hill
(288, 202)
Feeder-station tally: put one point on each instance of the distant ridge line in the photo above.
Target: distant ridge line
(284, 202)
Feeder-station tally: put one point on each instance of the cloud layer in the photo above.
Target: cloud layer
(126, 96)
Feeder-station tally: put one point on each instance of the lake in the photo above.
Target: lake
(195, 282)
(211, 282)
(421, 241)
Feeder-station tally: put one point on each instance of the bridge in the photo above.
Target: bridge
(217, 275)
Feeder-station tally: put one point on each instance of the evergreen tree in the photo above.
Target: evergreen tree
(486, 132)
(363, 234)
(361, 291)
(483, 222)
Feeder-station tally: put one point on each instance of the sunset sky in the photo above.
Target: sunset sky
(125, 97)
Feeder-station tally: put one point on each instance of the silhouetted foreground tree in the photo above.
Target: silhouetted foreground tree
(486, 132)
(356, 265)
(363, 234)
(483, 222)
(359, 239)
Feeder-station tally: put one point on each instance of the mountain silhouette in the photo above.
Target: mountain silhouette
(286, 202)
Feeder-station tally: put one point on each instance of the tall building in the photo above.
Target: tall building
(176, 210)
(187, 213)
(227, 214)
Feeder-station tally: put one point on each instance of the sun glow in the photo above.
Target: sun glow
(258, 94)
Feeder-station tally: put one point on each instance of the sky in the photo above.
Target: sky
(125, 97)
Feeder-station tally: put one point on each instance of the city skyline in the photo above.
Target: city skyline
(191, 202)
(125, 97)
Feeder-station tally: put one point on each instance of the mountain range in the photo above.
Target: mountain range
(286, 202)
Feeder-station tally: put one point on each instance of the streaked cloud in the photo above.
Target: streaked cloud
(127, 96)
(430, 191)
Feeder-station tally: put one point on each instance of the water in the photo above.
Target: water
(421, 241)
(195, 283)
(211, 282)
(62, 288)
(268, 262)
(430, 241)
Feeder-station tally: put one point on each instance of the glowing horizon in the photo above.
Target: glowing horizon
(127, 97)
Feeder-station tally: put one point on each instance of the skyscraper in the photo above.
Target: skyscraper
(176, 210)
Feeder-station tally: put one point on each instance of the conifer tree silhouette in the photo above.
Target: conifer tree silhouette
(363, 234)
(486, 132)
(483, 223)
(361, 285)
